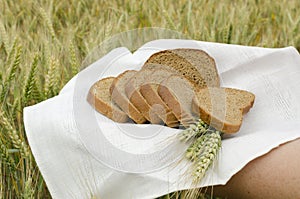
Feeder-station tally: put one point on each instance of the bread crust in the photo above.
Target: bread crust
(124, 103)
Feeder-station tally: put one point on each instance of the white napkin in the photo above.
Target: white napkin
(82, 154)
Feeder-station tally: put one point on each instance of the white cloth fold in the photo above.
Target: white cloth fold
(66, 134)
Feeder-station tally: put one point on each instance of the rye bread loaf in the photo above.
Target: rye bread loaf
(149, 91)
(135, 97)
(196, 65)
(117, 91)
(223, 108)
(177, 92)
(100, 98)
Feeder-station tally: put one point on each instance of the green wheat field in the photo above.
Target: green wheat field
(43, 43)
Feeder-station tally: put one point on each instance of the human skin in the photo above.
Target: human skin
(274, 175)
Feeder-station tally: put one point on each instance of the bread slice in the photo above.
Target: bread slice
(100, 98)
(149, 91)
(196, 65)
(223, 108)
(117, 91)
(133, 93)
(177, 92)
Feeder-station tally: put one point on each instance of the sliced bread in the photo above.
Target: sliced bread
(223, 108)
(100, 98)
(149, 90)
(133, 93)
(177, 92)
(118, 95)
(196, 65)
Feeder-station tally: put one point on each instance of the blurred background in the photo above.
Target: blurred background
(43, 44)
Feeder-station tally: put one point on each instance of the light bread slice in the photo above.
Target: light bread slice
(149, 90)
(100, 98)
(118, 95)
(177, 92)
(133, 93)
(196, 65)
(223, 108)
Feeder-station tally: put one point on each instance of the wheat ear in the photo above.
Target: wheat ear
(206, 154)
(206, 143)
(15, 139)
(30, 85)
(51, 77)
(12, 74)
(194, 130)
(4, 37)
(48, 21)
(74, 60)
(6, 158)
(28, 189)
